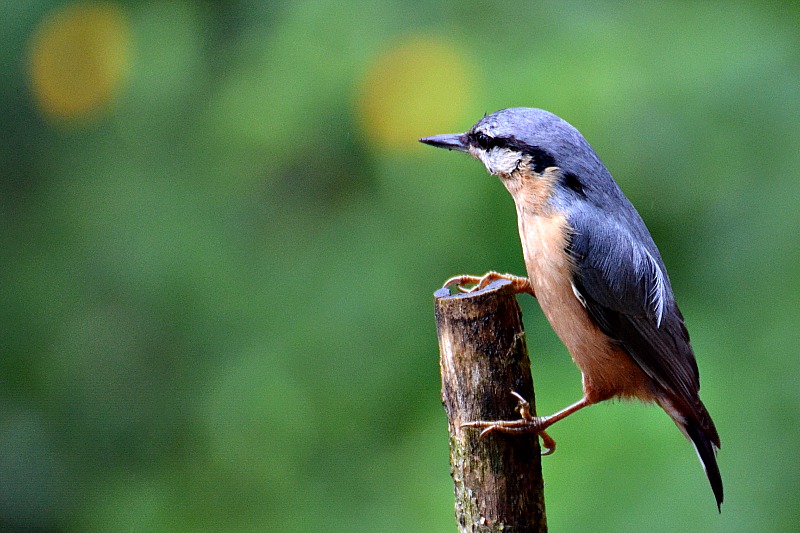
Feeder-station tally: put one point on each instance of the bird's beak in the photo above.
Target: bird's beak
(451, 141)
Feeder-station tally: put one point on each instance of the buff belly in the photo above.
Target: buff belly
(608, 371)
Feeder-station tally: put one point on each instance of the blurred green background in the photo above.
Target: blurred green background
(220, 240)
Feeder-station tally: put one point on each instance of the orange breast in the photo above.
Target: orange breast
(607, 370)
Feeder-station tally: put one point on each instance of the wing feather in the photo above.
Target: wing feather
(621, 280)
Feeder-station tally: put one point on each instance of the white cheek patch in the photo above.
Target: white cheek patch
(498, 161)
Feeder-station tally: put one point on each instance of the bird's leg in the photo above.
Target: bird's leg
(528, 423)
(518, 283)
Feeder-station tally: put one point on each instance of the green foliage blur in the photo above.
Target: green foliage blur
(220, 241)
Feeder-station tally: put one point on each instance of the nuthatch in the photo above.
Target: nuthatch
(595, 271)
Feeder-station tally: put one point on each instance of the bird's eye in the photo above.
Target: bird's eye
(482, 140)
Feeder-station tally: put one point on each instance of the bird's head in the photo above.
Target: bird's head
(525, 142)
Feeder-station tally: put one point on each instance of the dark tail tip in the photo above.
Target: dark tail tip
(707, 451)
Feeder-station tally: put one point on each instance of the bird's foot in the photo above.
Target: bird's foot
(526, 424)
(518, 283)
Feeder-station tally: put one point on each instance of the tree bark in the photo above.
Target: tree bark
(483, 357)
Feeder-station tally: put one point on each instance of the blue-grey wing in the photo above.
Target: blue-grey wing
(622, 282)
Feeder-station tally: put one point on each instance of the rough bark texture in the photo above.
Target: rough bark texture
(483, 357)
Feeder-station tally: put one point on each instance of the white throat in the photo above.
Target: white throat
(498, 161)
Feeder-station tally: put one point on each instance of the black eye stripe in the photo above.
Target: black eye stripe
(481, 140)
(541, 159)
(487, 142)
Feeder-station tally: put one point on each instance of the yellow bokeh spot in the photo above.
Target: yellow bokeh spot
(421, 86)
(78, 58)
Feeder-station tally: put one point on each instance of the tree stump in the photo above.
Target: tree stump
(483, 358)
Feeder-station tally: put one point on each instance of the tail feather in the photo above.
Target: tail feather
(706, 444)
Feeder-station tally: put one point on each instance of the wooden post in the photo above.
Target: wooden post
(483, 357)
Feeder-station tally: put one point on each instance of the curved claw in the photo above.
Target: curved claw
(460, 281)
(519, 283)
(548, 444)
(527, 423)
(486, 431)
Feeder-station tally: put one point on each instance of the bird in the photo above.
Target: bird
(596, 272)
